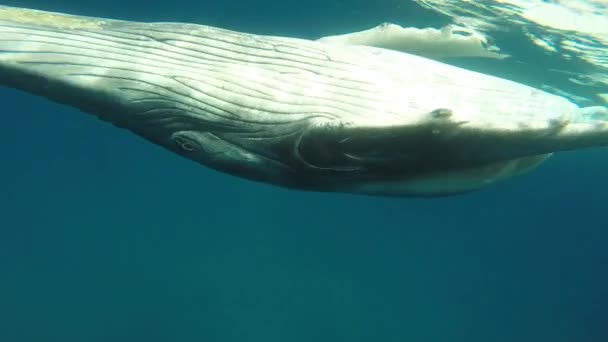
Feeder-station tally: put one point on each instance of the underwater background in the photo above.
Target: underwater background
(105, 237)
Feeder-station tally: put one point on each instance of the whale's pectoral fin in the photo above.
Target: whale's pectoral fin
(442, 144)
(442, 157)
(449, 41)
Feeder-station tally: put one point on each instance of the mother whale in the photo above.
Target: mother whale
(302, 114)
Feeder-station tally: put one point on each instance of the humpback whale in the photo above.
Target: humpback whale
(302, 114)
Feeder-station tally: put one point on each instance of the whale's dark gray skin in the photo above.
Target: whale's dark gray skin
(296, 113)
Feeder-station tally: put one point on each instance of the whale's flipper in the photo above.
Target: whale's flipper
(449, 41)
(291, 112)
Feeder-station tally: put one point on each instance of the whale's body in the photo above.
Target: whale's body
(295, 113)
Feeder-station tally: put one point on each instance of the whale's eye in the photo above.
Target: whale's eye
(185, 144)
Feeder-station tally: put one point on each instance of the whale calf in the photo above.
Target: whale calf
(296, 113)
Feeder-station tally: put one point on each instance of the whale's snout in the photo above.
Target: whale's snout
(107, 68)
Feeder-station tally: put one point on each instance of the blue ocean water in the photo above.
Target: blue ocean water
(105, 237)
